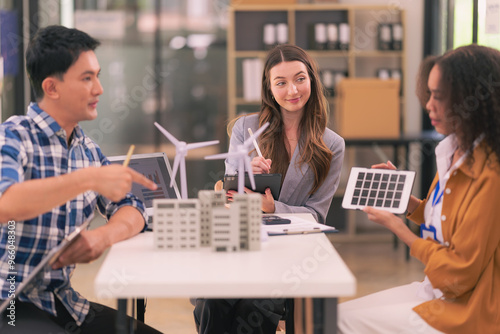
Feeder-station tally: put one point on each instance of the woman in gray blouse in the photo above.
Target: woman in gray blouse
(298, 145)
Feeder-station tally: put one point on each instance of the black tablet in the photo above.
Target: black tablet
(262, 182)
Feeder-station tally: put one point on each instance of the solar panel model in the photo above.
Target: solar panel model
(384, 189)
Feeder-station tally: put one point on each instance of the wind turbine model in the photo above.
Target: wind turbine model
(241, 153)
(181, 150)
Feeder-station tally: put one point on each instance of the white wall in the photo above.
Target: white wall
(413, 42)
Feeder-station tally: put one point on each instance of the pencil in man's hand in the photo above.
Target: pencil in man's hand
(129, 154)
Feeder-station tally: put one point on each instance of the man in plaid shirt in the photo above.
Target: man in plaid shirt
(52, 178)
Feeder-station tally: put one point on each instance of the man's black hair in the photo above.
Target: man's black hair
(52, 51)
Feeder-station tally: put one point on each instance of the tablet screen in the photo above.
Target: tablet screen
(262, 182)
(384, 189)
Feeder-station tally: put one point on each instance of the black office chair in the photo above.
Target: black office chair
(288, 316)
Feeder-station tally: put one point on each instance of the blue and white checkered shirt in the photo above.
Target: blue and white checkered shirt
(35, 147)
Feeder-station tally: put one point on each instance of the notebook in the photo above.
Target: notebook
(154, 166)
(47, 260)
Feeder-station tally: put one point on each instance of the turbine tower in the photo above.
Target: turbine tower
(181, 150)
(241, 153)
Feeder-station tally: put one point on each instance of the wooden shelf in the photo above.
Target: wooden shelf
(362, 59)
(328, 53)
(377, 53)
(250, 54)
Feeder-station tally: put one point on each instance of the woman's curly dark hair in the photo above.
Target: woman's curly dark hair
(470, 81)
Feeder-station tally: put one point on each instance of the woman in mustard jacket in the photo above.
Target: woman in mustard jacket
(460, 221)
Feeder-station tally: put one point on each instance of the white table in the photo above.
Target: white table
(286, 266)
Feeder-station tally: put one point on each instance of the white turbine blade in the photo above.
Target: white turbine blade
(249, 171)
(217, 156)
(249, 141)
(167, 134)
(184, 191)
(241, 175)
(177, 160)
(202, 144)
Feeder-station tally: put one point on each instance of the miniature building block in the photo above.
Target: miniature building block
(250, 220)
(176, 224)
(187, 224)
(225, 229)
(209, 200)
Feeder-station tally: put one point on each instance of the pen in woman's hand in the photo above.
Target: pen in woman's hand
(255, 143)
(258, 149)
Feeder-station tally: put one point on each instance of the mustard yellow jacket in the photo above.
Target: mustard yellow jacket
(467, 268)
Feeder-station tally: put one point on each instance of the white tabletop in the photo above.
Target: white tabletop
(286, 266)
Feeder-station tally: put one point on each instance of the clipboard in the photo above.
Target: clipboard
(298, 226)
(262, 182)
(47, 260)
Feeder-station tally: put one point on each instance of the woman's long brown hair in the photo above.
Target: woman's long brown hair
(312, 126)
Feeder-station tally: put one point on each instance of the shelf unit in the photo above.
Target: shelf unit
(362, 58)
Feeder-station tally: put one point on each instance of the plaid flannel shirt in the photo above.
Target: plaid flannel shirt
(35, 147)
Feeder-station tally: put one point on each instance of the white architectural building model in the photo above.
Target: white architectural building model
(176, 224)
(250, 220)
(207, 222)
(225, 229)
(209, 200)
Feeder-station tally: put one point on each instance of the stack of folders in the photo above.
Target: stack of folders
(252, 75)
(330, 36)
(331, 78)
(386, 73)
(390, 36)
(274, 34)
